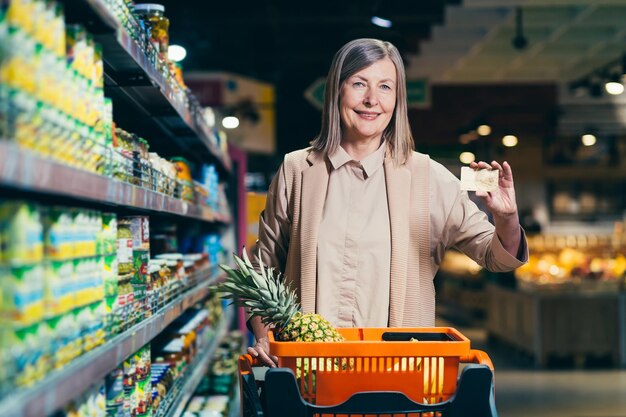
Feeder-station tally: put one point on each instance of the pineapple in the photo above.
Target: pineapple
(266, 295)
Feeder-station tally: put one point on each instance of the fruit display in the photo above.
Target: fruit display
(266, 295)
(571, 263)
(457, 263)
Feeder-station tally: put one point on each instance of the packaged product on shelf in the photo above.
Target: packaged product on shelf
(162, 382)
(57, 30)
(138, 384)
(123, 157)
(66, 343)
(90, 321)
(87, 224)
(59, 234)
(90, 404)
(184, 178)
(111, 321)
(22, 288)
(212, 245)
(124, 306)
(215, 309)
(209, 178)
(174, 355)
(142, 404)
(140, 235)
(124, 247)
(107, 236)
(59, 297)
(159, 278)
(153, 17)
(22, 348)
(114, 388)
(76, 47)
(129, 383)
(21, 232)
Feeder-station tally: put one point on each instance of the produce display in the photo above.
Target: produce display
(457, 263)
(585, 262)
(266, 295)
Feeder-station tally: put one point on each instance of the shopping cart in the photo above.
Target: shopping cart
(407, 372)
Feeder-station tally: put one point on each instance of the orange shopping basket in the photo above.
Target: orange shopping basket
(374, 372)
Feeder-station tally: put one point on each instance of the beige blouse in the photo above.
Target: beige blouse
(428, 213)
(354, 243)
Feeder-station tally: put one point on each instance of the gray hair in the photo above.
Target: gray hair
(351, 58)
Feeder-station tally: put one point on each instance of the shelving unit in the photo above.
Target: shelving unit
(136, 87)
(559, 324)
(144, 104)
(60, 387)
(195, 372)
(27, 171)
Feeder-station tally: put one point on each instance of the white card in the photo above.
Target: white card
(481, 180)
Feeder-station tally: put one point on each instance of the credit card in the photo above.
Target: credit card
(481, 180)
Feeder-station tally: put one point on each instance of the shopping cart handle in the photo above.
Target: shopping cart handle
(249, 360)
(477, 356)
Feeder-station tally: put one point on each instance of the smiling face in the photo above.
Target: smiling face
(367, 101)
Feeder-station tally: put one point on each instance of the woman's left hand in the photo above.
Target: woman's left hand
(501, 203)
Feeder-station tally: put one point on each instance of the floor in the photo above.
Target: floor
(560, 391)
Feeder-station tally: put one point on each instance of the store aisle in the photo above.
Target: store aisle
(522, 390)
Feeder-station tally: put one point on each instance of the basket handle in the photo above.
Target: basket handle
(478, 356)
(246, 362)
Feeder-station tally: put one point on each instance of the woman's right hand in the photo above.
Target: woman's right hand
(261, 350)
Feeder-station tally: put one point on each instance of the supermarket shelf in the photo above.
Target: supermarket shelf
(197, 370)
(60, 387)
(235, 402)
(25, 170)
(137, 87)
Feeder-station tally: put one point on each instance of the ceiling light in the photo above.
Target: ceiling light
(613, 87)
(588, 140)
(509, 141)
(176, 53)
(230, 122)
(379, 21)
(467, 157)
(484, 130)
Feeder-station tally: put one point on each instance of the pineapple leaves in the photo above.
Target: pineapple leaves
(261, 290)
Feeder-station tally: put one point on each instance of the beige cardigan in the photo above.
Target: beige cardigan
(422, 195)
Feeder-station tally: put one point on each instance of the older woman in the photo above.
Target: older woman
(359, 222)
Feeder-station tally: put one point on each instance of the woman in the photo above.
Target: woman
(359, 222)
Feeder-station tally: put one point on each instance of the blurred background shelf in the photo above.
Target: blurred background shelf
(189, 382)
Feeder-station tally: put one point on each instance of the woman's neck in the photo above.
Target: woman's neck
(361, 148)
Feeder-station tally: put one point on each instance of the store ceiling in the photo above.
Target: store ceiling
(267, 39)
(448, 41)
(565, 40)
